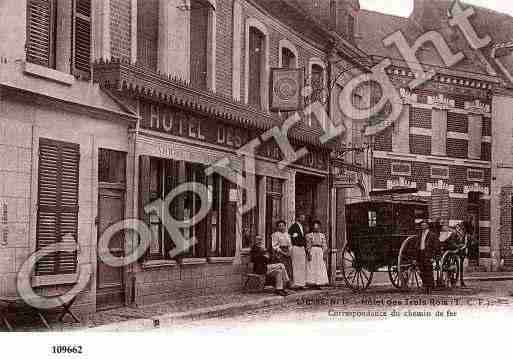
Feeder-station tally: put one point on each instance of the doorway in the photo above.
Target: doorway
(110, 289)
(306, 198)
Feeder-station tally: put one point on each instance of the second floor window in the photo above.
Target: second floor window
(199, 21)
(317, 82)
(256, 56)
(42, 29)
(288, 59)
(147, 33)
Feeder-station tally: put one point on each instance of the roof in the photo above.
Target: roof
(132, 80)
(373, 27)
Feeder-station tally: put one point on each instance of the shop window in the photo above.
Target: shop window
(57, 204)
(111, 166)
(250, 218)
(213, 233)
(274, 199)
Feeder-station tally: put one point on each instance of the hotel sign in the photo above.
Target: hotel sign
(170, 120)
(180, 123)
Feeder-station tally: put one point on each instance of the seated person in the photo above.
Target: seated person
(262, 265)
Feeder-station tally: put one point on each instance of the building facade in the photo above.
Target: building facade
(108, 108)
(446, 143)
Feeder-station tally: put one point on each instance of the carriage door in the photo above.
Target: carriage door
(111, 209)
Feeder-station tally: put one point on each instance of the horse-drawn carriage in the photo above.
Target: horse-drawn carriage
(381, 236)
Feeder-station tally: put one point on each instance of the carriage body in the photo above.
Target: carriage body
(375, 232)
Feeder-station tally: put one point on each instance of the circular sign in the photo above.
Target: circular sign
(286, 88)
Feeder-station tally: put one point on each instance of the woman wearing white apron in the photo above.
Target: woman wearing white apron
(316, 247)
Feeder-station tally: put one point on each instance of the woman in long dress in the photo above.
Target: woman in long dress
(316, 247)
(282, 246)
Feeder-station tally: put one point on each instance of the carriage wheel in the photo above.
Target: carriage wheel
(355, 275)
(393, 275)
(450, 269)
(407, 267)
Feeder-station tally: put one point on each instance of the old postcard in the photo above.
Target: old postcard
(184, 167)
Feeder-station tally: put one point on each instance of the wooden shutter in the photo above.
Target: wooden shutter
(81, 37)
(57, 217)
(40, 32)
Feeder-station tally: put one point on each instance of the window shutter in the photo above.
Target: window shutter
(57, 219)
(40, 32)
(81, 38)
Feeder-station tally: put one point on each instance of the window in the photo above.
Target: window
(440, 204)
(256, 58)
(357, 142)
(288, 59)
(81, 59)
(147, 33)
(373, 219)
(317, 83)
(42, 27)
(57, 208)
(401, 169)
(111, 166)
(440, 172)
(213, 233)
(250, 218)
(475, 175)
(199, 28)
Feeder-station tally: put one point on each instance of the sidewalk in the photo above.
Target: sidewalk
(211, 306)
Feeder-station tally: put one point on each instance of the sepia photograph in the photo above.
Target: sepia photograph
(180, 172)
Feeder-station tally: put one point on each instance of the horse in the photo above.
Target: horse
(459, 246)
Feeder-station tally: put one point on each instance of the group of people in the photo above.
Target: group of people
(433, 239)
(296, 259)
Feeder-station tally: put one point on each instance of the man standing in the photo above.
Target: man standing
(297, 235)
(428, 248)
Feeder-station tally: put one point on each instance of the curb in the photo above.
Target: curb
(211, 312)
